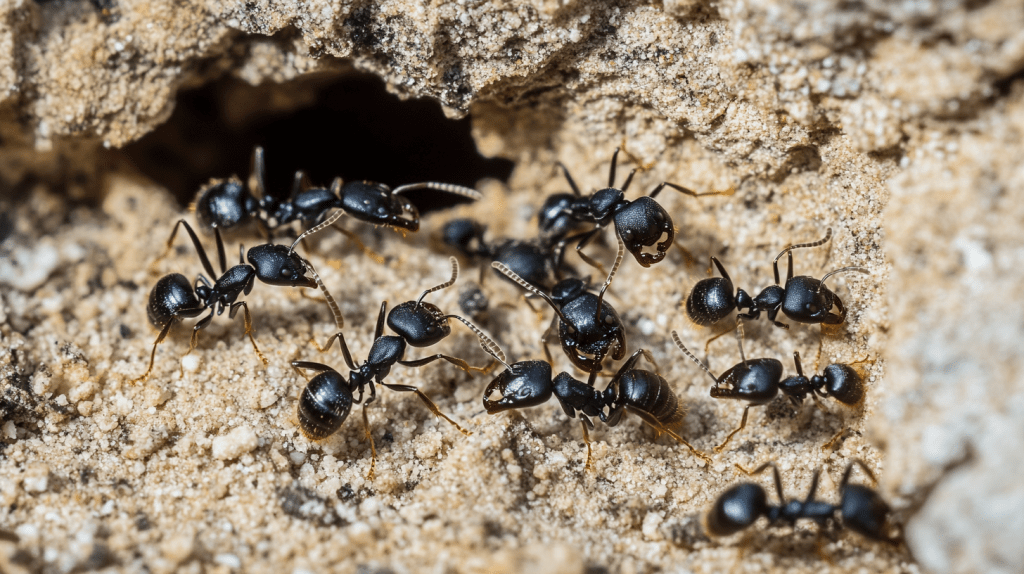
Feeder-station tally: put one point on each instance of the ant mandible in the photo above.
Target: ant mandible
(173, 298)
(639, 223)
(803, 299)
(327, 399)
(643, 393)
(860, 509)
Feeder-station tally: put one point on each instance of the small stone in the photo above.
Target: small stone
(234, 444)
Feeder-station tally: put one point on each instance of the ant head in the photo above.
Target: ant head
(736, 509)
(421, 325)
(567, 290)
(278, 265)
(604, 201)
(526, 384)
(865, 513)
(643, 223)
(375, 203)
(224, 204)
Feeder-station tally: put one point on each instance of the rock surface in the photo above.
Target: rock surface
(898, 125)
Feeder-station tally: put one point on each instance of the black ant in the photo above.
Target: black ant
(588, 327)
(804, 299)
(860, 509)
(224, 204)
(534, 260)
(327, 399)
(638, 223)
(173, 298)
(758, 381)
(643, 393)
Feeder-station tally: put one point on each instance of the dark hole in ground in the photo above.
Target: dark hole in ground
(327, 124)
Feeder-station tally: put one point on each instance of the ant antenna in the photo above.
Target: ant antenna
(611, 275)
(338, 319)
(611, 170)
(447, 187)
(831, 273)
(446, 284)
(326, 223)
(682, 347)
(486, 343)
(828, 235)
(572, 183)
(504, 270)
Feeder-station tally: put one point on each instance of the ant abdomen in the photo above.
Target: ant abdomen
(736, 509)
(710, 301)
(324, 405)
(650, 393)
(170, 296)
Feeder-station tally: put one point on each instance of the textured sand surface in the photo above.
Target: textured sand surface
(896, 125)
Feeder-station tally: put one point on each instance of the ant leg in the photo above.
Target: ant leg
(341, 343)
(202, 324)
(377, 258)
(152, 355)
(830, 445)
(814, 486)
(546, 337)
(248, 326)
(586, 439)
(369, 437)
(199, 247)
(453, 360)
(688, 258)
(849, 471)
(587, 238)
(429, 404)
(775, 473)
(657, 426)
(712, 339)
(572, 183)
(379, 329)
(687, 191)
(743, 423)
(318, 367)
(772, 314)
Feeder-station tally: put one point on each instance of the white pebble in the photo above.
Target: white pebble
(234, 444)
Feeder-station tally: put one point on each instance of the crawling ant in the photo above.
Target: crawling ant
(860, 509)
(173, 298)
(804, 299)
(588, 327)
(534, 260)
(758, 381)
(638, 223)
(643, 393)
(224, 204)
(327, 399)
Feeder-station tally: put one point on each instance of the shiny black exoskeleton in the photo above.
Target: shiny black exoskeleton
(588, 328)
(803, 299)
(643, 393)
(839, 381)
(534, 260)
(638, 223)
(174, 298)
(755, 381)
(224, 204)
(327, 399)
(758, 381)
(861, 509)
